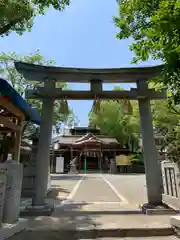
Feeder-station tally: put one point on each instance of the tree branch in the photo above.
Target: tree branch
(7, 27)
(175, 111)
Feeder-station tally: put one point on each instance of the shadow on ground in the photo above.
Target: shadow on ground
(66, 177)
(55, 192)
(57, 195)
(62, 225)
(68, 222)
(73, 177)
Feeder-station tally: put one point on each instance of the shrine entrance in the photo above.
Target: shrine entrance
(95, 77)
(91, 162)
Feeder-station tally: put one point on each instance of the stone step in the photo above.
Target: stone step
(45, 234)
(144, 238)
(118, 232)
(69, 225)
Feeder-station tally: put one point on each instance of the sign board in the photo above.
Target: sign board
(60, 164)
(122, 160)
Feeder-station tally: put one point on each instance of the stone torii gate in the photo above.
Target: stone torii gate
(96, 77)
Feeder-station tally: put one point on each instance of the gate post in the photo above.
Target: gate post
(152, 168)
(43, 152)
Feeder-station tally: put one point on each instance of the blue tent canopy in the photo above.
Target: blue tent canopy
(7, 91)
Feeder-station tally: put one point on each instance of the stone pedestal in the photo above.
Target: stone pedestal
(44, 210)
(113, 167)
(13, 191)
(73, 169)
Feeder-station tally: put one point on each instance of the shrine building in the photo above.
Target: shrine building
(92, 150)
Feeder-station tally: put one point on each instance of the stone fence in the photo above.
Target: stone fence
(171, 184)
(11, 175)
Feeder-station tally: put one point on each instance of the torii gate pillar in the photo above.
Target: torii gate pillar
(43, 153)
(152, 168)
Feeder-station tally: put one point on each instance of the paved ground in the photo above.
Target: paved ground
(57, 237)
(103, 187)
(93, 201)
(132, 187)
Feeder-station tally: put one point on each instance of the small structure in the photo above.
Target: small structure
(91, 150)
(14, 110)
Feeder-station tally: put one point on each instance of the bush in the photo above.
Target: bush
(137, 159)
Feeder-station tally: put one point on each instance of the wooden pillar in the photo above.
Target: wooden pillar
(71, 153)
(102, 159)
(100, 162)
(79, 161)
(17, 146)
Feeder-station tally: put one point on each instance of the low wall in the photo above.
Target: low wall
(171, 184)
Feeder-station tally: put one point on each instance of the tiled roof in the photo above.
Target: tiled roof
(74, 138)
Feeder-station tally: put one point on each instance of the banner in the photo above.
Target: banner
(59, 164)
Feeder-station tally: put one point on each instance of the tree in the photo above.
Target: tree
(167, 125)
(113, 120)
(173, 145)
(166, 122)
(8, 71)
(18, 15)
(164, 117)
(154, 27)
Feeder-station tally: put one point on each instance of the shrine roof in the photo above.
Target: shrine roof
(66, 74)
(78, 139)
(6, 90)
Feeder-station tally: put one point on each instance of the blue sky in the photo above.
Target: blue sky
(81, 36)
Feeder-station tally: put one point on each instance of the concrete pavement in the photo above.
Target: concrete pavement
(102, 190)
(88, 206)
(132, 186)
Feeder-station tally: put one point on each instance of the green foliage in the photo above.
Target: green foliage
(18, 15)
(167, 125)
(8, 71)
(137, 159)
(154, 27)
(111, 119)
(173, 144)
(165, 116)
